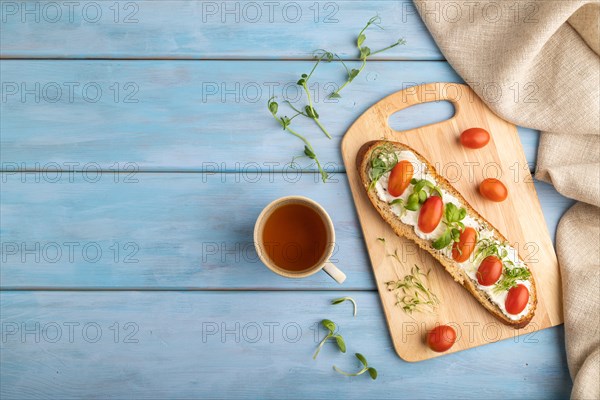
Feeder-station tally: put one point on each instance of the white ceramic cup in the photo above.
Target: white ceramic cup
(322, 264)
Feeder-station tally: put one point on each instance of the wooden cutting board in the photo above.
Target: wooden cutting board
(519, 218)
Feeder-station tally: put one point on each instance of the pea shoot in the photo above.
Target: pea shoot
(331, 327)
(372, 371)
(365, 52)
(285, 122)
(419, 194)
(309, 109)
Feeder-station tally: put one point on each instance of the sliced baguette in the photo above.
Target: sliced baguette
(407, 231)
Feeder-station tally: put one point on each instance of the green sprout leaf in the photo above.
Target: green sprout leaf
(346, 298)
(311, 112)
(309, 153)
(362, 359)
(443, 241)
(412, 202)
(452, 217)
(372, 373)
(329, 325)
(360, 40)
(340, 343)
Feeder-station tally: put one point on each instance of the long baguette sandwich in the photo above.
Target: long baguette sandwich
(424, 207)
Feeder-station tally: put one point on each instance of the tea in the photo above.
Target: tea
(295, 237)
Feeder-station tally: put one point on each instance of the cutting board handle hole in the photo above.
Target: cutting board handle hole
(421, 115)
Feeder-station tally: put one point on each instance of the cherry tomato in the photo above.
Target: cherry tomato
(517, 299)
(493, 189)
(489, 271)
(475, 138)
(431, 214)
(461, 250)
(441, 338)
(400, 178)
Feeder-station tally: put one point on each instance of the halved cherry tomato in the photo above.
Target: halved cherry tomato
(400, 178)
(462, 249)
(475, 138)
(431, 214)
(517, 299)
(493, 189)
(489, 271)
(441, 338)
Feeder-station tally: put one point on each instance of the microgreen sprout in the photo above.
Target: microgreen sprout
(510, 277)
(346, 298)
(412, 293)
(285, 122)
(383, 159)
(372, 371)
(511, 273)
(365, 52)
(309, 109)
(490, 247)
(331, 327)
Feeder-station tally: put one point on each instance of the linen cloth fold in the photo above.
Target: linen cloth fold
(536, 63)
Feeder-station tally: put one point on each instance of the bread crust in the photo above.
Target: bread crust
(407, 231)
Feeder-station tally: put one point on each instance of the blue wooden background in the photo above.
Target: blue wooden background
(136, 153)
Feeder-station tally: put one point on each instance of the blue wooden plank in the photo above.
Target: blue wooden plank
(187, 115)
(169, 230)
(244, 345)
(209, 29)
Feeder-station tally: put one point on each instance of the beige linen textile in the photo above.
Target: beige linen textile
(541, 58)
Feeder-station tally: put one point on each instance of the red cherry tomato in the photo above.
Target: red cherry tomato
(461, 250)
(441, 338)
(517, 299)
(489, 271)
(431, 214)
(494, 190)
(475, 138)
(400, 178)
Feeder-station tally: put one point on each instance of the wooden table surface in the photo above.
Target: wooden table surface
(137, 152)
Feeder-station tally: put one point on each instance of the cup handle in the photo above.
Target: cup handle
(334, 272)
